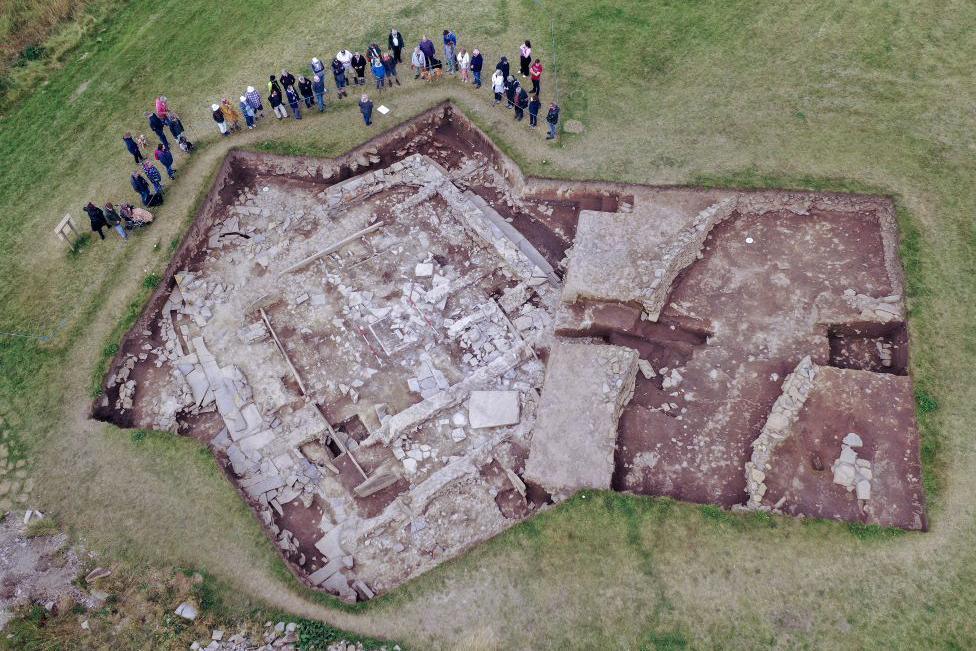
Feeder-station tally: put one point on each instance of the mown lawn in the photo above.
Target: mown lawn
(875, 95)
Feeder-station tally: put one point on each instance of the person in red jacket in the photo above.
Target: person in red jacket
(535, 74)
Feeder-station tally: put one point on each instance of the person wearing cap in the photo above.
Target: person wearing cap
(248, 112)
(477, 63)
(395, 41)
(254, 101)
(318, 68)
(218, 117)
(366, 108)
(133, 148)
(318, 87)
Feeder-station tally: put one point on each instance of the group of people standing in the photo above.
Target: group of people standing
(146, 180)
(350, 69)
(347, 68)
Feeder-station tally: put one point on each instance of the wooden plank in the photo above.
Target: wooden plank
(301, 264)
(281, 348)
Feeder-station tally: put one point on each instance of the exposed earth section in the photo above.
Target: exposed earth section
(399, 353)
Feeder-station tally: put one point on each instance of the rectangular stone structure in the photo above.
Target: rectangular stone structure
(575, 434)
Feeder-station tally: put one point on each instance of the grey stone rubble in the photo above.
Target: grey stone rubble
(850, 471)
(876, 309)
(274, 636)
(284, 455)
(782, 416)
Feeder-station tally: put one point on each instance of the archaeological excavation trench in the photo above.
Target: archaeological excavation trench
(399, 353)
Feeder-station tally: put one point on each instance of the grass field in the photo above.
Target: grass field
(876, 95)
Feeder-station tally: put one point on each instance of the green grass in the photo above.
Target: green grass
(873, 96)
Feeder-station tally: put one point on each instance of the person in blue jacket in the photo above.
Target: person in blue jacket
(133, 148)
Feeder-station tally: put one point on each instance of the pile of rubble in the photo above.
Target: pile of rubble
(873, 309)
(851, 472)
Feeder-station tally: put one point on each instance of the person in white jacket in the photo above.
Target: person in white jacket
(464, 64)
(498, 86)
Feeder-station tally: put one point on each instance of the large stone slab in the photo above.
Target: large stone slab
(493, 408)
(586, 388)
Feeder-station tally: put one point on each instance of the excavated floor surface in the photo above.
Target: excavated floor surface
(363, 344)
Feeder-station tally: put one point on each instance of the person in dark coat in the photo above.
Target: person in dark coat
(305, 88)
(339, 73)
(358, 64)
(511, 87)
(287, 80)
(552, 117)
(141, 186)
(97, 218)
(293, 102)
(165, 157)
(175, 126)
(273, 84)
(113, 219)
(427, 47)
(156, 124)
(318, 87)
(373, 52)
(534, 107)
(395, 42)
(133, 148)
(274, 99)
(504, 67)
(366, 108)
(477, 63)
(521, 103)
(389, 65)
